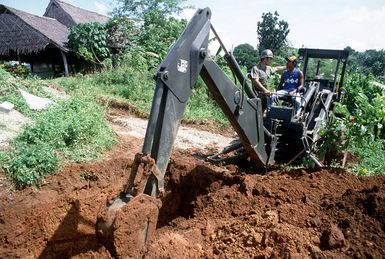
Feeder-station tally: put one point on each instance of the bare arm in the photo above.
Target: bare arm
(280, 85)
(260, 87)
(279, 68)
(301, 81)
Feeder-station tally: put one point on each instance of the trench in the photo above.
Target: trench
(184, 187)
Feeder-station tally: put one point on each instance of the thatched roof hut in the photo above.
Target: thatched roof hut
(41, 41)
(24, 33)
(70, 15)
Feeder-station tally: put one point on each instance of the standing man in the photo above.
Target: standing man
(260, 74)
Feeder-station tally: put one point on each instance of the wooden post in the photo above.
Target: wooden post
(66, 73)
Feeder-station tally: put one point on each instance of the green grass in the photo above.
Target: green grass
(69, 130)
(9, 86)
(133, 83)
(372, 159)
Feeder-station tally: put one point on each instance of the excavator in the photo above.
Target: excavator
(289, 131)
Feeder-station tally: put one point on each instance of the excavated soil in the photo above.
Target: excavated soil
(207, 211)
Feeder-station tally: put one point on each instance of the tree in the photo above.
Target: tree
(272, 33)
(246, 55)
(158, 29)
(373, 61)
(159, 32)
(122, 33)
(367, 62)
(89, 40)
(138, 8)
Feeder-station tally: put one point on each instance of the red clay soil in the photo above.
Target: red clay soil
(208, 212)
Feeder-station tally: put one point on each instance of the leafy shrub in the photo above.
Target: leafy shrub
(159, 32)
(71, 127)
(90, 41)
(360, 126)
(31, 164)
(16, 69)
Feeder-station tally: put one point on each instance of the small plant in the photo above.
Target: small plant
(30, 165)
(73, 130)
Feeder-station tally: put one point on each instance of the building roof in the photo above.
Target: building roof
(71, 15)
(25, 33)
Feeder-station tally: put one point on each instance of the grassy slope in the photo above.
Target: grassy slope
(69, 130)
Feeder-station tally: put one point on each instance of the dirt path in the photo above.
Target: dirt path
(129, 126)
(208, 211)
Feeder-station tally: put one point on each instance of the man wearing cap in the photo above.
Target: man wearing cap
(262, 71)
(260, 74)
(292, 80)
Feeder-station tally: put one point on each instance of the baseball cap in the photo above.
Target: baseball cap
(292, 59)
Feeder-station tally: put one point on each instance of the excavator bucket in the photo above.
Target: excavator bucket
(126, 223)
(124, 228)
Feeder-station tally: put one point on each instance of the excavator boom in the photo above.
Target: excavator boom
(175, 79)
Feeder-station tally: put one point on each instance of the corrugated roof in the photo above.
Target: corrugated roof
(55, 32)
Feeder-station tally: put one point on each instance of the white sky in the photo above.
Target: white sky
(331, 24)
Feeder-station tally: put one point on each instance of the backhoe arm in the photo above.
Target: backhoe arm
(175, 79)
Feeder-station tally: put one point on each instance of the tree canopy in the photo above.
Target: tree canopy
(138, 8)
(369, 61)
(246, 55)
(272, 32)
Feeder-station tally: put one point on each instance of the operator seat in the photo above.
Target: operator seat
(290, 110)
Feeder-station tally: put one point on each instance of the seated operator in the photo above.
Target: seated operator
(292, 81)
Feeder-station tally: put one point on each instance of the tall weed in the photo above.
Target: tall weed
(359, 127)
(72, 130)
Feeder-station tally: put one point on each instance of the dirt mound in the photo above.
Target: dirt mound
(295, 214)
(208, 211)
(58, 220)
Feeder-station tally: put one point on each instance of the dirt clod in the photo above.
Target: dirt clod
(333, 238)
